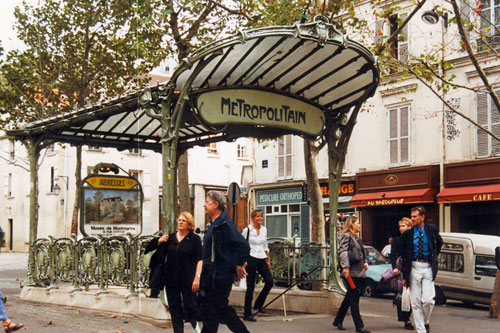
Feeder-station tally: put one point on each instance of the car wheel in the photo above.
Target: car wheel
(440, 298)
(370, 288)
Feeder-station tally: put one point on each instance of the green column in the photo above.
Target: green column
(338, 133)
(33, 148)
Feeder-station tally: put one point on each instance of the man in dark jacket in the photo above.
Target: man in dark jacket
(225, 252)
(420, 247)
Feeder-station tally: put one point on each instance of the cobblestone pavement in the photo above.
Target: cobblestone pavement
(378, 314)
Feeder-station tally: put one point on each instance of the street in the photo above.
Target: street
(378, 314)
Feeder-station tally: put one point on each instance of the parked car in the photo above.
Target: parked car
(467, 268)
(377, 264)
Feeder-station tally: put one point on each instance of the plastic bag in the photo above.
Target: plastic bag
(405, 299)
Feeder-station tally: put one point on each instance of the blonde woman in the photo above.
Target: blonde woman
(351, 269)
(258, 262)
(404, 224)
(181, 252)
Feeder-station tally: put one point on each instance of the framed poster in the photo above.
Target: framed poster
(111, 206)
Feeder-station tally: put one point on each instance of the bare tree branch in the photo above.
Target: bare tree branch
(393, 37)
(473, 58)
(231, 11)
(443, 79)
(451, 107)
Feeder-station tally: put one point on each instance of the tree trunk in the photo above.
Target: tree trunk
(495, 299)
(78, 181)
(315, 203)
(183, 183)
(316, 199)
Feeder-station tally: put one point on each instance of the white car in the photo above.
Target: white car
(467, 268)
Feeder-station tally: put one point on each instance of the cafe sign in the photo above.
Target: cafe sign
(259, 107)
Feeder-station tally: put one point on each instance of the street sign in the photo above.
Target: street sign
(233, 193)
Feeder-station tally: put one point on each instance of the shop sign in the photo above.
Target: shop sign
(111, 182)
(345, 189)
(385, 202)
(265, 198)
(259, 107)
(482, 197)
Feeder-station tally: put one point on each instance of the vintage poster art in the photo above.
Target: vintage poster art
(111, 212)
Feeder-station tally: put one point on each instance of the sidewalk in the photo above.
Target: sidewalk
(378, 315)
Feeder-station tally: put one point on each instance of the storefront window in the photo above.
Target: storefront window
(276, 226)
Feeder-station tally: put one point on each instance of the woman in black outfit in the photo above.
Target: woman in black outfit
(404, 224)
(180, 267)
(356, 270)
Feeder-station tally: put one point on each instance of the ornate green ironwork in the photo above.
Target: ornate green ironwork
(121, 261)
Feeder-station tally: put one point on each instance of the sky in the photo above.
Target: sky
(9, 40)
(7, 33)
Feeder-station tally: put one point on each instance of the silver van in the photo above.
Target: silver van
(467, 268)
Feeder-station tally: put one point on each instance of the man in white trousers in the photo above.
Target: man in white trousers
(420, 247)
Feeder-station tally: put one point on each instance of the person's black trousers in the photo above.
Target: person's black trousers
(257, 265)
(176, 297)
(215, 308)
(351, 299)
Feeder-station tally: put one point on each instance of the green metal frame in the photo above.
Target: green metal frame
(168, 103)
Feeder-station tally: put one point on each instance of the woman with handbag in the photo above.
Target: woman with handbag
(397, 264)
(179, 271)
(258, 261)
(353, 265)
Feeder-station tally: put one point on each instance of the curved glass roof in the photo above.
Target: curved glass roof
(312, 62)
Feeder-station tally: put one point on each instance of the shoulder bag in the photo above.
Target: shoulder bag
(353, 253)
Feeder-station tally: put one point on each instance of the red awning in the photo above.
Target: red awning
(469, 193)
(387, 198)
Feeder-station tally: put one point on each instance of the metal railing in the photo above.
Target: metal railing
(121, 261)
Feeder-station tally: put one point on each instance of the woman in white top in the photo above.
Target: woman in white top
(258, 261)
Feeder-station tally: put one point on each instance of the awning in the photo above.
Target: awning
(388, 198)
(469, 193)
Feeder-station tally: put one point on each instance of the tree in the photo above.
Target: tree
(77, 52)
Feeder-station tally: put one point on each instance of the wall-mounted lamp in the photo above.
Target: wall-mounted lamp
(56, 189)
(431, 17)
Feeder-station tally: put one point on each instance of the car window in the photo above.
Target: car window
(451, 262)
(485, 266)
(374, 257)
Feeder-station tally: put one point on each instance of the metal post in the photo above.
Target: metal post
(338, 134)
(33, 147)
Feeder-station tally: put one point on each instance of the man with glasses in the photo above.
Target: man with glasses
(225, 253)
(419, 248)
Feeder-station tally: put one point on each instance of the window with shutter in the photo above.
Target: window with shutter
(399, 48)
(489, 24)
(285, 157)
(488, 116)
(399, 135)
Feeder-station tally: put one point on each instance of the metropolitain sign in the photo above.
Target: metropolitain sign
(259, 107)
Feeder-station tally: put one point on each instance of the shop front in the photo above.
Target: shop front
(346, 191)
(471, 196)
(286, 213)
(384, 197)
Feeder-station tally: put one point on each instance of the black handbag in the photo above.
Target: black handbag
(354, 254)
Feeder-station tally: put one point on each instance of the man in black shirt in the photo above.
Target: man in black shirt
(225, 252)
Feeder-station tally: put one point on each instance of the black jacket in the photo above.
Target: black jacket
(406, 249)
(176, 261)
(231, 249)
